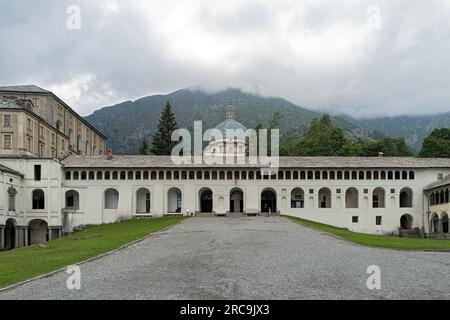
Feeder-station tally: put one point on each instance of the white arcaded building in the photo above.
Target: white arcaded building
(42, 198)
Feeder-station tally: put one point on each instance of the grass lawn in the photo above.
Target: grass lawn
(377, 240)
(26, 263)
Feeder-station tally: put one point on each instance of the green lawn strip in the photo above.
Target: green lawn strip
(380, 241)
(26, 263)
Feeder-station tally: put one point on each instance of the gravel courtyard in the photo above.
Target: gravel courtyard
(248, 258)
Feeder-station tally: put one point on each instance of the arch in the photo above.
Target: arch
(143, 201)
(406, 222)
(404, 175)
(297, 198)
(38, 198)
(361, 175)
(406, 198)
(434, 223)
(10, 234)
(376, 175)
(268, 200)
(111, 199)
(237, 200)
(206, 200)
(444, 220)
(72, 200)
(332, 175)
(324, 198)
(38, 231)
(174, 200)
(288, 175)
(352, 198)
(379, 198)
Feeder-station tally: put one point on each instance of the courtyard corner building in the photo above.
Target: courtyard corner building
(55, 176)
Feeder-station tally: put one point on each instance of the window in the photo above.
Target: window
(12, 199)
(29, 144)
(355, 219)
(7, 142)
(379, 220)
(366, 190)
(392, 190)
(7, 120)
(38, 200)
(41, 150)
(311, 191)
(29, 124)
(37, 172)
(338, 191)
(41, 131)
(440, 176)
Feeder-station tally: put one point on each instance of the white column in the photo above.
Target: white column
(2, 238)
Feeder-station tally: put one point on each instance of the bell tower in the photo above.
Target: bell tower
(231, 112)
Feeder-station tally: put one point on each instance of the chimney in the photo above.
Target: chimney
(109, 154)
(380, 154)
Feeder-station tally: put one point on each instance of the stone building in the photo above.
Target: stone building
(438, 210)
(35, 122)
(44, 195)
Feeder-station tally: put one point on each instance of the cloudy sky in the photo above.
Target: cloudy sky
(362, 58)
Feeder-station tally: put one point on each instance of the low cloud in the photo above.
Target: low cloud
(360, 58)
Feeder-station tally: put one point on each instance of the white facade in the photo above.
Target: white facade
(94, 190)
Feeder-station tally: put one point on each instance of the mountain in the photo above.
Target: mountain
(413, 128)
(125, 124)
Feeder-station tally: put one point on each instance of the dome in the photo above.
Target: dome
(230, 124)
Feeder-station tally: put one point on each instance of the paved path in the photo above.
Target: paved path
(248, 258)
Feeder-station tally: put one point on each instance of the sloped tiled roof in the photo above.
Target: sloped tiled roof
(24, 88)
(9, 170)
(439, 183)
(119, 161)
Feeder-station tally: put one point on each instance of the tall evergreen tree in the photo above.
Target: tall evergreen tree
(162, 143)
(144, 148)
(437, 144)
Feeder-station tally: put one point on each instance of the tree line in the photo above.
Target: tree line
(321, 138)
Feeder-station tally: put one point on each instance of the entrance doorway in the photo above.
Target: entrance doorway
(268, 201)
(206, 201)
(236, 201)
